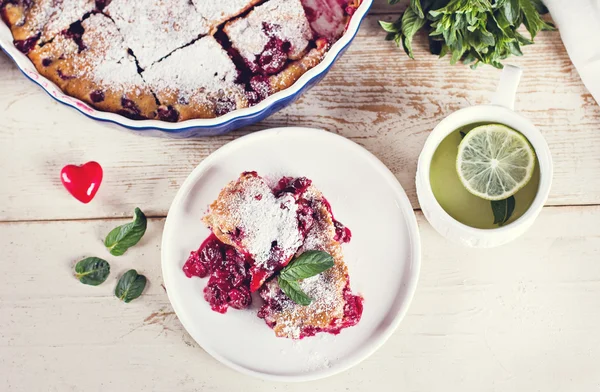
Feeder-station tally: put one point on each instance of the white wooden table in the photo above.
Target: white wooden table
(522, 317)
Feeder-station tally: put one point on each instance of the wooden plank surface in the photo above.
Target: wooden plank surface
(374, 95)
(523, 317)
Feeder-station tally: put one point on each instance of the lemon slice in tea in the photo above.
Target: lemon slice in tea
(494, 161)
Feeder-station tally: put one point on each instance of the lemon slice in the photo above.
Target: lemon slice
(494, 161)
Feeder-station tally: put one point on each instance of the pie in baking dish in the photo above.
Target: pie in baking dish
(175, 60)
(257, 228)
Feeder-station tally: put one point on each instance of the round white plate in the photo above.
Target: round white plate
(383, 257)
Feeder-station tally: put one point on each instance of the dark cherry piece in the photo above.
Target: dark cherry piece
(63, 76)
(26, 45)
(168, 113)
(130, 110)
(224, 106)
(75, 32)
(97, 96)
(295, 186)
(260, 86)
(101, 4)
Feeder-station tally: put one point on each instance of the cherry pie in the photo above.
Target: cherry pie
(256, 230)
(174, 60)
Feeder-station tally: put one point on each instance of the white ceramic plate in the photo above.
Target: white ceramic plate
(383, 257)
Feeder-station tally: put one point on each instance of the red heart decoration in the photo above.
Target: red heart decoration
(82, 181)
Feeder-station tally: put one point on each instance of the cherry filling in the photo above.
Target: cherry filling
(353, 310)
(229, 282)
(26, 45)
(168, 113)
(224, 106)
(97, 96)
(342, 233)
(63, 76)
(275, 53)
(75, 32)
(260, 89)
(130, 109)
(294, 186)
(101, 4)
(257, 86)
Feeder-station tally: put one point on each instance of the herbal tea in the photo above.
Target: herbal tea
(475, 181)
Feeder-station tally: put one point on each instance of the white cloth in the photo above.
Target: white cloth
(578, 22)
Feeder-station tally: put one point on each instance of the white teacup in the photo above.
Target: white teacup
(501, 111)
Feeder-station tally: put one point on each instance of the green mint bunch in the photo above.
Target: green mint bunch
(472, 31)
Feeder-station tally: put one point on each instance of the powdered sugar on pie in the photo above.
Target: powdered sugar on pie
(256, 220)
(196, 74)
(219, 11)
(284, 19)
(155, 28)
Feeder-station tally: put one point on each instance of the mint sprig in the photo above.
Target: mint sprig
(473, 31)
(125, 236)
(308, 264)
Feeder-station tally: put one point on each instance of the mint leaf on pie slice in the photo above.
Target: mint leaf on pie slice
(294, 292)
(309, 263)
(125, 236)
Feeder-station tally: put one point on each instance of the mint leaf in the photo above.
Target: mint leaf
(390, 27)
(417, 9)
(512, 11)
(130, 286)
(123, 237)
(540, 7)
(308, 264)
(503, 210)
(92, 271)
(531, 18)
(294, 292)
(411, 23)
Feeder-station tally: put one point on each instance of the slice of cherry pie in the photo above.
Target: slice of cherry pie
(333, 305)
(175, 60)
(256, 230)
(262, 225)
(91, 61)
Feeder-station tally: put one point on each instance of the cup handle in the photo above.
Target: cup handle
(507, 87)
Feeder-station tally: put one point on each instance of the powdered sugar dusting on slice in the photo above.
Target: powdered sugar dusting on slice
(266, 221)
(218, 11)
(195, 72)
(286, 20)
(63, 13)
(322, 291)
(50, 17)
(105, 59)
(155, 28)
